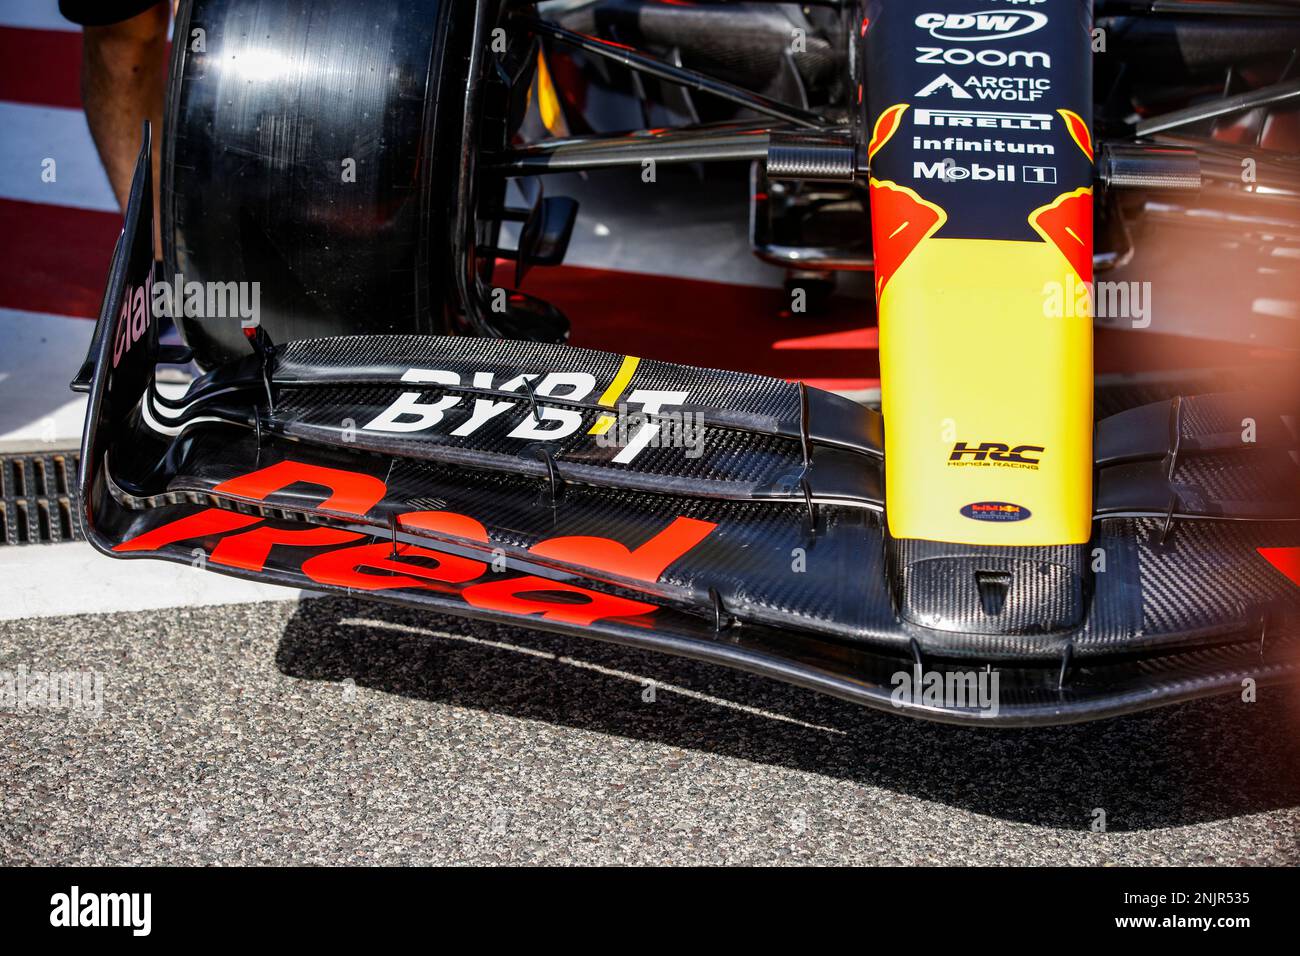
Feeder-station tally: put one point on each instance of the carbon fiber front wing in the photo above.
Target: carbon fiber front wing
(721, 516)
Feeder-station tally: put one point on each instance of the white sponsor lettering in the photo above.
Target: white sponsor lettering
(980, 27)
(963, 57)
(573, 386)
(979, 119)
(1023, 89)
(408, 413)
(415, 412)
(959, 144)
(651, 402)
(949, 171)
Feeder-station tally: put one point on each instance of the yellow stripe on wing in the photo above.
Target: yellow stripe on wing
(620, 382)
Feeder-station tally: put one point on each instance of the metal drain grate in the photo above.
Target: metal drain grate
(38, 498)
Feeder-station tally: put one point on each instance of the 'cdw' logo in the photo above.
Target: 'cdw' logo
(979, 27)
(338, 557)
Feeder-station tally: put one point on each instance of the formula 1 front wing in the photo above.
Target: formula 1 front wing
(723, 516)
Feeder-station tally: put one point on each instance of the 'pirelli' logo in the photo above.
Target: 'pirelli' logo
(981, 119)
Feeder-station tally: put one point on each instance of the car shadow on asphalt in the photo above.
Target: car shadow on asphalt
(1175, 766)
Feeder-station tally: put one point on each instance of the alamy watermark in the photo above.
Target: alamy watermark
(177, 297)
(951, 690)
(1107, 300)
(663, 429)
(133, 911)
(77, 693)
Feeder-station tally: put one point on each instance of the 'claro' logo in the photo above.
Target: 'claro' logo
(133, 318)
(466, 569)
(995, 511)
(981, 27)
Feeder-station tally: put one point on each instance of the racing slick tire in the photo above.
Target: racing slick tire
(311, 147)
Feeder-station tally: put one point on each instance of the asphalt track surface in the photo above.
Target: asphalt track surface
(332, 731)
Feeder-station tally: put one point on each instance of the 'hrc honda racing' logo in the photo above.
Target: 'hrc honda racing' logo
(994, 454)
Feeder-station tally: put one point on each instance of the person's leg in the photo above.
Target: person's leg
(123, 76)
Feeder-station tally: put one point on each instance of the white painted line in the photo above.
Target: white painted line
(34, 15)
(34, 134)
(39, 355)
(50, 580)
